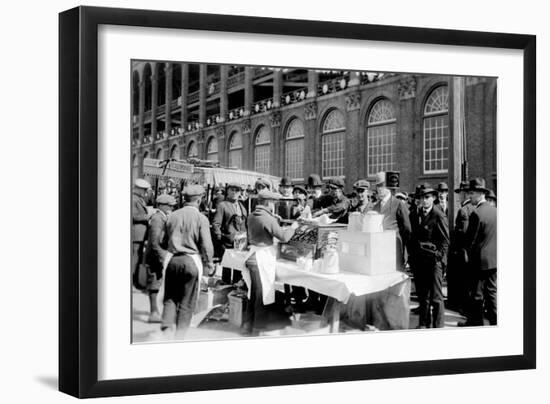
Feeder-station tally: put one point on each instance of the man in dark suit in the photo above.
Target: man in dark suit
(481, 242)
(140, 219)
(429, 245)
(396, 217)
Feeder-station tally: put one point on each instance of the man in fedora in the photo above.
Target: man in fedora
(140, 219)
(335, 204)
(396, 217)
(458, 271)
(442, 197)
(429, 245)
(315, 188)
(481, 244)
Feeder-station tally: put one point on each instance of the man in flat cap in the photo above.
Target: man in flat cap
(140, 219)
(263, 228)
(156, 252)
(429, 242)
(315, 189)
(229, 219)
(458, 271)
(481, 244)
(335, 204)
(190, 243)
(361, 188)
(396, 217)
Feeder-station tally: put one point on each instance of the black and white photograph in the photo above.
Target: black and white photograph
(272, 201)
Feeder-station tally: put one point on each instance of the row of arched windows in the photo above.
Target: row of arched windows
(380, 134)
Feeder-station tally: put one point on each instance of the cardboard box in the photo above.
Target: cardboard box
(367, 253)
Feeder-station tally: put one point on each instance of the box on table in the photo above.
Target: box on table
(367, 253)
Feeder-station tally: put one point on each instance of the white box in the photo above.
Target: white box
(367, 253)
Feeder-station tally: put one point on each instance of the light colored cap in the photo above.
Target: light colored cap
(380, 177)
(141, 183)
(193, 190)
(166, 199)
(267, 194)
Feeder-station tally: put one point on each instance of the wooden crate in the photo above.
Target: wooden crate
(367, 253)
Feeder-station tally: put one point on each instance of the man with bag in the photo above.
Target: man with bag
(429, 245)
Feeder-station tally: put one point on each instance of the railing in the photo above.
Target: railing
(332, 85)
(235, 113)
(293, 96)
(213, 120)
(262, 106)
(147, 139)
(193, 125)
(193, 97)
(235, 80)
(161, 135)
(371, 77)
(261, 71)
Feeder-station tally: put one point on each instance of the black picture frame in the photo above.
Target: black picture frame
(78, 196)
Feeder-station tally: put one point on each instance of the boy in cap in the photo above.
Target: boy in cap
(140, 219)
(429, 242)
(361, 188)
(299, 193)
(229, 219)
(156, 252)
(335, 204)
(188, 234)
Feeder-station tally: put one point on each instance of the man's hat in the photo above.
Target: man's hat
(462, 187)
(402, 195)
(193, 190)
(380, 178)
(141, 183)
(267, 194)
(336, 183)
(166, 199)
(442, 187)
(235, 185)
(426, 189)
(285, 182)
(361, 184)
(491, 195)
(314, 181)
(300, 189)
(262, 182)
(477, 184)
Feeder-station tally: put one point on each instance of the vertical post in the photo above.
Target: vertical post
(354, 78)
(456, 141)
(224, 70)
(248, 89)
(141, 109)
(184, 94)
(168, 104)
(154, 102)
(312, 81)
(202, 94)
(277, 87)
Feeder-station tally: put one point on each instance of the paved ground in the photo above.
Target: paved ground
(144, 331)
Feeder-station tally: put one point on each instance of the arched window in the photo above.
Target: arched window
(174, 152)
(436, 131)
(381, 131)
(235, 150)
(262, 151)
(135, 167)
(332, 144)
(160, 154)
(192, 151)
(212, 149)
(294, 150)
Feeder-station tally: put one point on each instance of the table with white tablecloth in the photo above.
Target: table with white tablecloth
(341, 288)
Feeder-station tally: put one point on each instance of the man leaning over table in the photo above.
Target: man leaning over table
(263, 227)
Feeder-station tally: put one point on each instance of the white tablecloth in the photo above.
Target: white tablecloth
(339, 286)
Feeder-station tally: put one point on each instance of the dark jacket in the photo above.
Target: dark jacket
(458, 248)
(263, 227)
(396, 217)
(228, 221)
(481, 237)
(156, 243)
(337, 208)
(139, 219)
(430, 239)
(315, 203)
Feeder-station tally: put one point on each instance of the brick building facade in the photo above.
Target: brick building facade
(296, 122)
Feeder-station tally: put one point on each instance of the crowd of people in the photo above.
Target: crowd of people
(173, 248)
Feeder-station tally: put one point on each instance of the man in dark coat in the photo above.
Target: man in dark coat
(429, 245)
(458, 272)
(315, 188)
(481, 242)
(140, 219)
(156, 252)
(229, 219)
(396, 217)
